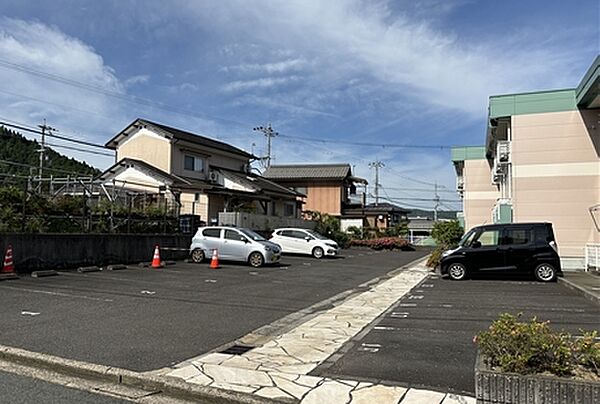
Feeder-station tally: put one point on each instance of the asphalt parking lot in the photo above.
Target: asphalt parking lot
(425, 340)
(145, 319)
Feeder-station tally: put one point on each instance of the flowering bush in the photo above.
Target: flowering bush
(384, 243)
(533, 347)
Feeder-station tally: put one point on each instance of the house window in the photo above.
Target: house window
(289, 209)
(193, 163)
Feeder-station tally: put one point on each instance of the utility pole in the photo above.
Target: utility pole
(42, 149)
(436, 199)
(269, 133)
(376, 165)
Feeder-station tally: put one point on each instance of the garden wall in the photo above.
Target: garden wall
(32, 252)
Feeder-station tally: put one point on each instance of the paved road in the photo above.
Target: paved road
(144, 319)
(15, 389)
(426, 339)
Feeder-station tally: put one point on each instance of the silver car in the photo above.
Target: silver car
(234, 244)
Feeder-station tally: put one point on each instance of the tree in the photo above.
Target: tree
(447, 234)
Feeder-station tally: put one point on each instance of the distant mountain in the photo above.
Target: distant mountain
(442, 214)
(19, 156)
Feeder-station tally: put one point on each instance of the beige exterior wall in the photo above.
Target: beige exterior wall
(146, 146)
(210, 157)
(479, 194)
(189, 205)
(324, 198)
(556, 175)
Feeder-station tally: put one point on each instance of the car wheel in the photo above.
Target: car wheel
(545, 273)
(256, 259)
(457, 271)
(318, 252)
(198, 255)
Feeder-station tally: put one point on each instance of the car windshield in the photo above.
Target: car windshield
(467, 238)
(316, 235)
(254, 236)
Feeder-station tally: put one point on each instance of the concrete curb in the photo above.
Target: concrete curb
(581, 290)
(88, 269)
(116, 267)
(172, 387)
(41, 274)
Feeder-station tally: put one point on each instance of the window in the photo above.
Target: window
(299, 234)
(193, 163)
(215, 233)
(517, 236)
(467, 239)
(289, 209)
(489, 238)
(233, 235)
(286, 233)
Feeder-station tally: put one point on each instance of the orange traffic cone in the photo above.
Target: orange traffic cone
(214, 262)
(8, 269)
(156, 259)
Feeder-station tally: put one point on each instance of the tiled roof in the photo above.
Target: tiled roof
(124, 163)
(308, 171)
(259, 183)
(181, 135)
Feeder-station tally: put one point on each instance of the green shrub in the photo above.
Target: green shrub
(447, 234)
(586, 351)
(532, 347)
(355, 232)
(434, 258)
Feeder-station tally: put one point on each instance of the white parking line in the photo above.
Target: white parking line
(29, 313)
(61, 294)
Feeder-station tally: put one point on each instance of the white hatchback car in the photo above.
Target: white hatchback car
(233, 244)
(303, 241)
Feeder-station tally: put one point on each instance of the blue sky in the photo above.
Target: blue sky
(382, 72)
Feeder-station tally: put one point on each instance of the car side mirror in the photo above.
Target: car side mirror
(307, 238)
(244, 239)
(476, 244)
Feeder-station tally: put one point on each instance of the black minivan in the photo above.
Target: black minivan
(517, 247)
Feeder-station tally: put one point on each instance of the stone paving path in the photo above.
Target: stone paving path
(279, 368)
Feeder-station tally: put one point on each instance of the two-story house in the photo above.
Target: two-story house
(203, 176)
(327, 187)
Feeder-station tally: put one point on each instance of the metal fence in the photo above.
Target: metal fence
(592, 257)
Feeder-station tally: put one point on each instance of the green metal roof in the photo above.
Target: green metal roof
(589, 89)
(462, 153)
(532, 103)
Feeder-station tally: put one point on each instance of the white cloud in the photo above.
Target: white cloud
(138, 79)
(261, 83)
(267, 68)
(29, 96)
(411, 57)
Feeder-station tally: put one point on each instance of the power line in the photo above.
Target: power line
(79, 150)
(17, 164)
(67, 139)
(367, 144)
(114, 94)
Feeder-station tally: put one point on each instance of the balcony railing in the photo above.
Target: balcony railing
(501, 161)
(503, 152)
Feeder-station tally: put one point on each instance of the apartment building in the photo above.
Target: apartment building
(540, 163)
